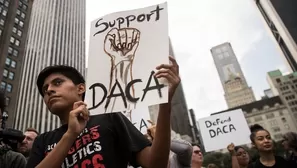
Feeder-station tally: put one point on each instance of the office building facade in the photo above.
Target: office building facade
(286, 87)
(56, 37)
(237, 91)
(280, 18)
(14, 23)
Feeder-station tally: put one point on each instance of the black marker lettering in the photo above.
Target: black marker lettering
(94, 95)
(127, 90)
(116, 95)
(126, 21)
(148, 87)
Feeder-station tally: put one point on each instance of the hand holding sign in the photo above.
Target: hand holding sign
(231, 148)
(171, 73)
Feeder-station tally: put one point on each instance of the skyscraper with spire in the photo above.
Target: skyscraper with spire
(237, 91)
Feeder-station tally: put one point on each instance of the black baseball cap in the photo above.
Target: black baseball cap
(68, 71)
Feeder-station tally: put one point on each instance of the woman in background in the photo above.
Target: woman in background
(261, 140)
(290, 145)
(239, 156)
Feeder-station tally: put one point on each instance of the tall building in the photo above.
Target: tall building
(237, 91)
(280, 18)
(271, 113)
(286, 87)
(56, 36)
(180, 119)
(14, 23)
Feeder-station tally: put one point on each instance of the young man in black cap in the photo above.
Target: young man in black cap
(102, 141)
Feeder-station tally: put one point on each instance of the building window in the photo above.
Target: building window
(284, 120)
(19, 33)
(23, 15)
(11, 75)
(281, 113)
(12, 40)
(2, 22)
(278, 80)
(13, 64)
(5, 73)
(17, 43)
(9, 88)
(7, 101)
(7, 62)
(3, 85)
(258, 118)
(14, 29)
(273, 123)
(24, 7)
(4, 12)
(269, 116)
(287, 126)
(15, 53)
(21, 23)
(226, 54)
(6, 3)
(18, 12)
(16, 20)
(10, 50)
(276, 129)
(278, 136)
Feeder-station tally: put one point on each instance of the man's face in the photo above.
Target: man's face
(26, 146)
(60, 93)
(197, 156)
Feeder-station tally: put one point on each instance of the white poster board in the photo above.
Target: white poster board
(125, 49)
(219, 130)
(140, 119)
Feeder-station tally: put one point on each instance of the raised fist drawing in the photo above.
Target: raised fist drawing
(121, 44)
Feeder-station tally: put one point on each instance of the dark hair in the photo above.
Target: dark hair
(2, 100)
(254, 129)
(32, 130)
(236, 148)
(291, 137)
(65, 70)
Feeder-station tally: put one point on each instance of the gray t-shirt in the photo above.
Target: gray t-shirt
(12, 159)
(180, 154)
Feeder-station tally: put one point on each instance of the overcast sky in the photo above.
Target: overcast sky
(197, 25)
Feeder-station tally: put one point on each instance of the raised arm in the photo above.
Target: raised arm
(157, 155)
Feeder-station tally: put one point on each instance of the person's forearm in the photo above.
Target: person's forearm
(56, 157)
(161, 143)
(235, 163)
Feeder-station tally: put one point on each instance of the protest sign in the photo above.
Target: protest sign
(219, 130)
(140, 119)
(124, 50)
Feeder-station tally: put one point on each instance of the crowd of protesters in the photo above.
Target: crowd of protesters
(111, 141)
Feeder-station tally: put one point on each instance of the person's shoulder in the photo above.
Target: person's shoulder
(15, 156)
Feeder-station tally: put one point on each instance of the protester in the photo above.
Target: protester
(26, 145)
(197, 157)
(290, 145)
(262, 141)
(239, 156)
(106, 140)
(180, 150)
(8, 158)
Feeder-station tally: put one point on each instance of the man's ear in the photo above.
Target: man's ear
(81, 88)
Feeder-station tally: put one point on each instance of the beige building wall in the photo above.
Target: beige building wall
(286, 86)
